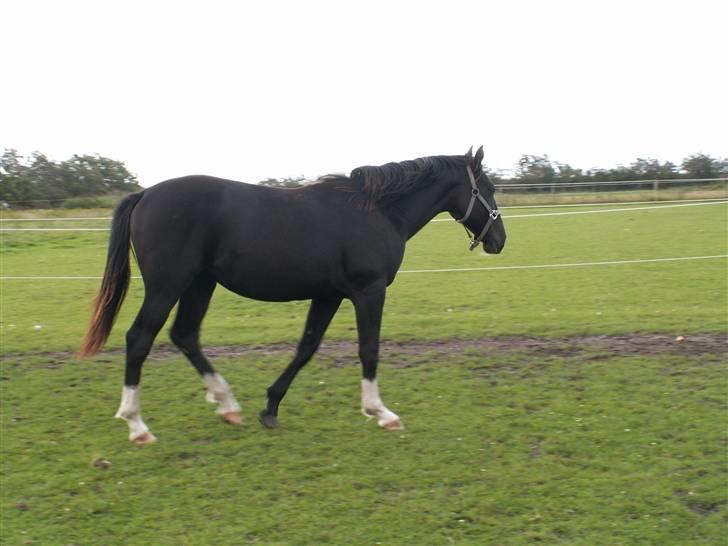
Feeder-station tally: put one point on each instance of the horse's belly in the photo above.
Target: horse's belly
(273, 287)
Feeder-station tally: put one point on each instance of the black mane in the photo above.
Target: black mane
(378, 185)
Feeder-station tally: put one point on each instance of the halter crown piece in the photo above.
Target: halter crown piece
(493, 214)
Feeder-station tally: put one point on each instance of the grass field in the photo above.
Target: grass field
(576, 446)
(679, 297)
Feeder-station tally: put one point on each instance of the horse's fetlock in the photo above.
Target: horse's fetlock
(274, 393)
(219, 396)
(127, 414)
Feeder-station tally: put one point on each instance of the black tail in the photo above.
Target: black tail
(116, 278)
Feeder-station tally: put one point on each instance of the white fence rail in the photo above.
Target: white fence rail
(444, 270)
(576, 184)
(657, 206)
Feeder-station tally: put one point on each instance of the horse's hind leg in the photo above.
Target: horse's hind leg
(186, 335)
(139, 339)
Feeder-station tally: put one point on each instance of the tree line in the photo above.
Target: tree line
(39, 182)
(534, 169)
(540, 169)
(36, 181)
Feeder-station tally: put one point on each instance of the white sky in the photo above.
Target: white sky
(281, 88)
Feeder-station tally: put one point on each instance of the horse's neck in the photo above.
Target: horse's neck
(412, 212)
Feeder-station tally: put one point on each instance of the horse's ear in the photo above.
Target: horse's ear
(469, 155)
(479, 158)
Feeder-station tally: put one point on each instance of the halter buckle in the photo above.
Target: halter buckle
(494, 214)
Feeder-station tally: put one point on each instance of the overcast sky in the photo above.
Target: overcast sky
(273, 89)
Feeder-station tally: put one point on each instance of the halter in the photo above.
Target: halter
(493, 214)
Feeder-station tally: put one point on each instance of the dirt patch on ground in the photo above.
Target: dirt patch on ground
(595, 346)
(622, 345)
(408, 353)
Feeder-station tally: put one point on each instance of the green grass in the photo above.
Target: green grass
(512, 450)
(675, 297)
(499, 449)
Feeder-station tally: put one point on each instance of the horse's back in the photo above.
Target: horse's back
(260, 242)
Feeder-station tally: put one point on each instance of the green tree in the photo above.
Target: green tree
(497, 176)
(86, 174)
(652, 169)
(703, 166)
(15, 181)
(567, 173)
(24, 182)
(533, 169)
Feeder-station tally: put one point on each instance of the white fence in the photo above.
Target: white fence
(657, 205)
(577, 187)
(652, 206)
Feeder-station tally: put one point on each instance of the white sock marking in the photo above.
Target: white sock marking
(218, 391)
(130, 410)
(372, 405)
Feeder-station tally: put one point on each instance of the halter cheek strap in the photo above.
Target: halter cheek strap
(493, 214)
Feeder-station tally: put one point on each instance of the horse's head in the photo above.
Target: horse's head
(473, 205)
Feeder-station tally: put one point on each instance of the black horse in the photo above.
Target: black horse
(341, 237)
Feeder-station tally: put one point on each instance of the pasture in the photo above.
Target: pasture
(547, 404)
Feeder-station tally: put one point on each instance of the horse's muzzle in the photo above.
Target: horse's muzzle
(493, 247)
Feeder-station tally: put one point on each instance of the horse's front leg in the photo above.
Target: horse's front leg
(368, 306)
(320, 314)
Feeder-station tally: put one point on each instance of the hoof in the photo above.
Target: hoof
(393, 425)
(144, 438)
(267, 420)
(232, 417)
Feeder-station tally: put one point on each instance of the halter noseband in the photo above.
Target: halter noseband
(493, 214)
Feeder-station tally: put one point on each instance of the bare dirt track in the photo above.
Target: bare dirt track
(414, 353)
(593, 346)
(622, 345)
